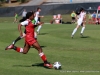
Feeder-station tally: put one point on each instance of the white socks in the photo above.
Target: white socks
(39, 28)
(83, 28)
(21, 50)
(74, 31)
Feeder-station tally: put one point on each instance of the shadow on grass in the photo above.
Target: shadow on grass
(22, 66)
(37, 64)
(40, 65)
(40, 46)
(85, 37)
(33, 65)
(42, 33)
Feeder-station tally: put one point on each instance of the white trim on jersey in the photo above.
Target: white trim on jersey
(24, 23)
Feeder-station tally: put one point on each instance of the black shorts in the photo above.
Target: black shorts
(25, 31)
(39, 19)
(73, 18)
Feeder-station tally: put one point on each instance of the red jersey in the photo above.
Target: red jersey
(29, 27)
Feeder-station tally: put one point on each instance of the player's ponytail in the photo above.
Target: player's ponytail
(23, 19)
(78, 10)
(29, 14)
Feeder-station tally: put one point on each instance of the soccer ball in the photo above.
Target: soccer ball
(57, 65)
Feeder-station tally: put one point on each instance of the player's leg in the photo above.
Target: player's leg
(14, 19)
(35, 35)
(21, 50)
(19, 38)
(72, 20)
(42, 55)
(39, 27)
(83, 28)
(14, 42)
(74, 31)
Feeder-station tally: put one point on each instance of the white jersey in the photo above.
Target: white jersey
(81, 16)
(24, 14)
(36, 15)
(24, 23)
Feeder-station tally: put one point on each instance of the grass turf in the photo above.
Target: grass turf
(78, 56)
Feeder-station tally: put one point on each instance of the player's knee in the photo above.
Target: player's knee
(40, 49)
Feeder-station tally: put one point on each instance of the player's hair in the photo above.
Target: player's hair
(81, 9)
(78, 10)
(38, 8)
(29, 14)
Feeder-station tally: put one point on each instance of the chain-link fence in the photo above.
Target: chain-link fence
(48, 9)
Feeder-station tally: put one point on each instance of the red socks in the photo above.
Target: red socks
(18, 49)
(43, 57)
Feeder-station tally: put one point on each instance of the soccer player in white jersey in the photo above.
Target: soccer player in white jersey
(37, 19)
(24, 13)
(81, 20)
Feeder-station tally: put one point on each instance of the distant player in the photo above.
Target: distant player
(24, 13)
(29, 39)
(16, 18)
(37, 19)
(81, 20)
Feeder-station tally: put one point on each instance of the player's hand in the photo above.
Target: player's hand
(42, 16)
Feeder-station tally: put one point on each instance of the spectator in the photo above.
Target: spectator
(57, 19)
(94, 17)
(60, 18)
(90, 18)
(99, 17)
(73, 15)
(53, 20)
(97, 21)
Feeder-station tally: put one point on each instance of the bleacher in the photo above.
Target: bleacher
(33, 2)
(48, 2)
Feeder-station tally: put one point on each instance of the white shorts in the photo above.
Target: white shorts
(79, 22)
(36, 19)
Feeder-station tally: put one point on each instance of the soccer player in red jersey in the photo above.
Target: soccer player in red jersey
(29, 39)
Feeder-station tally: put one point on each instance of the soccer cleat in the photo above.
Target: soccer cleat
(48, 65)
(37, 32)
(72, 36)
(81, 34)
(9, 47)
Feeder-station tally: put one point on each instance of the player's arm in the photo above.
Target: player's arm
(84, 19)
(76, 17)
(41, 16)
(20, 29)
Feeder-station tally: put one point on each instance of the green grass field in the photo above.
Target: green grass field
(78, 56)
